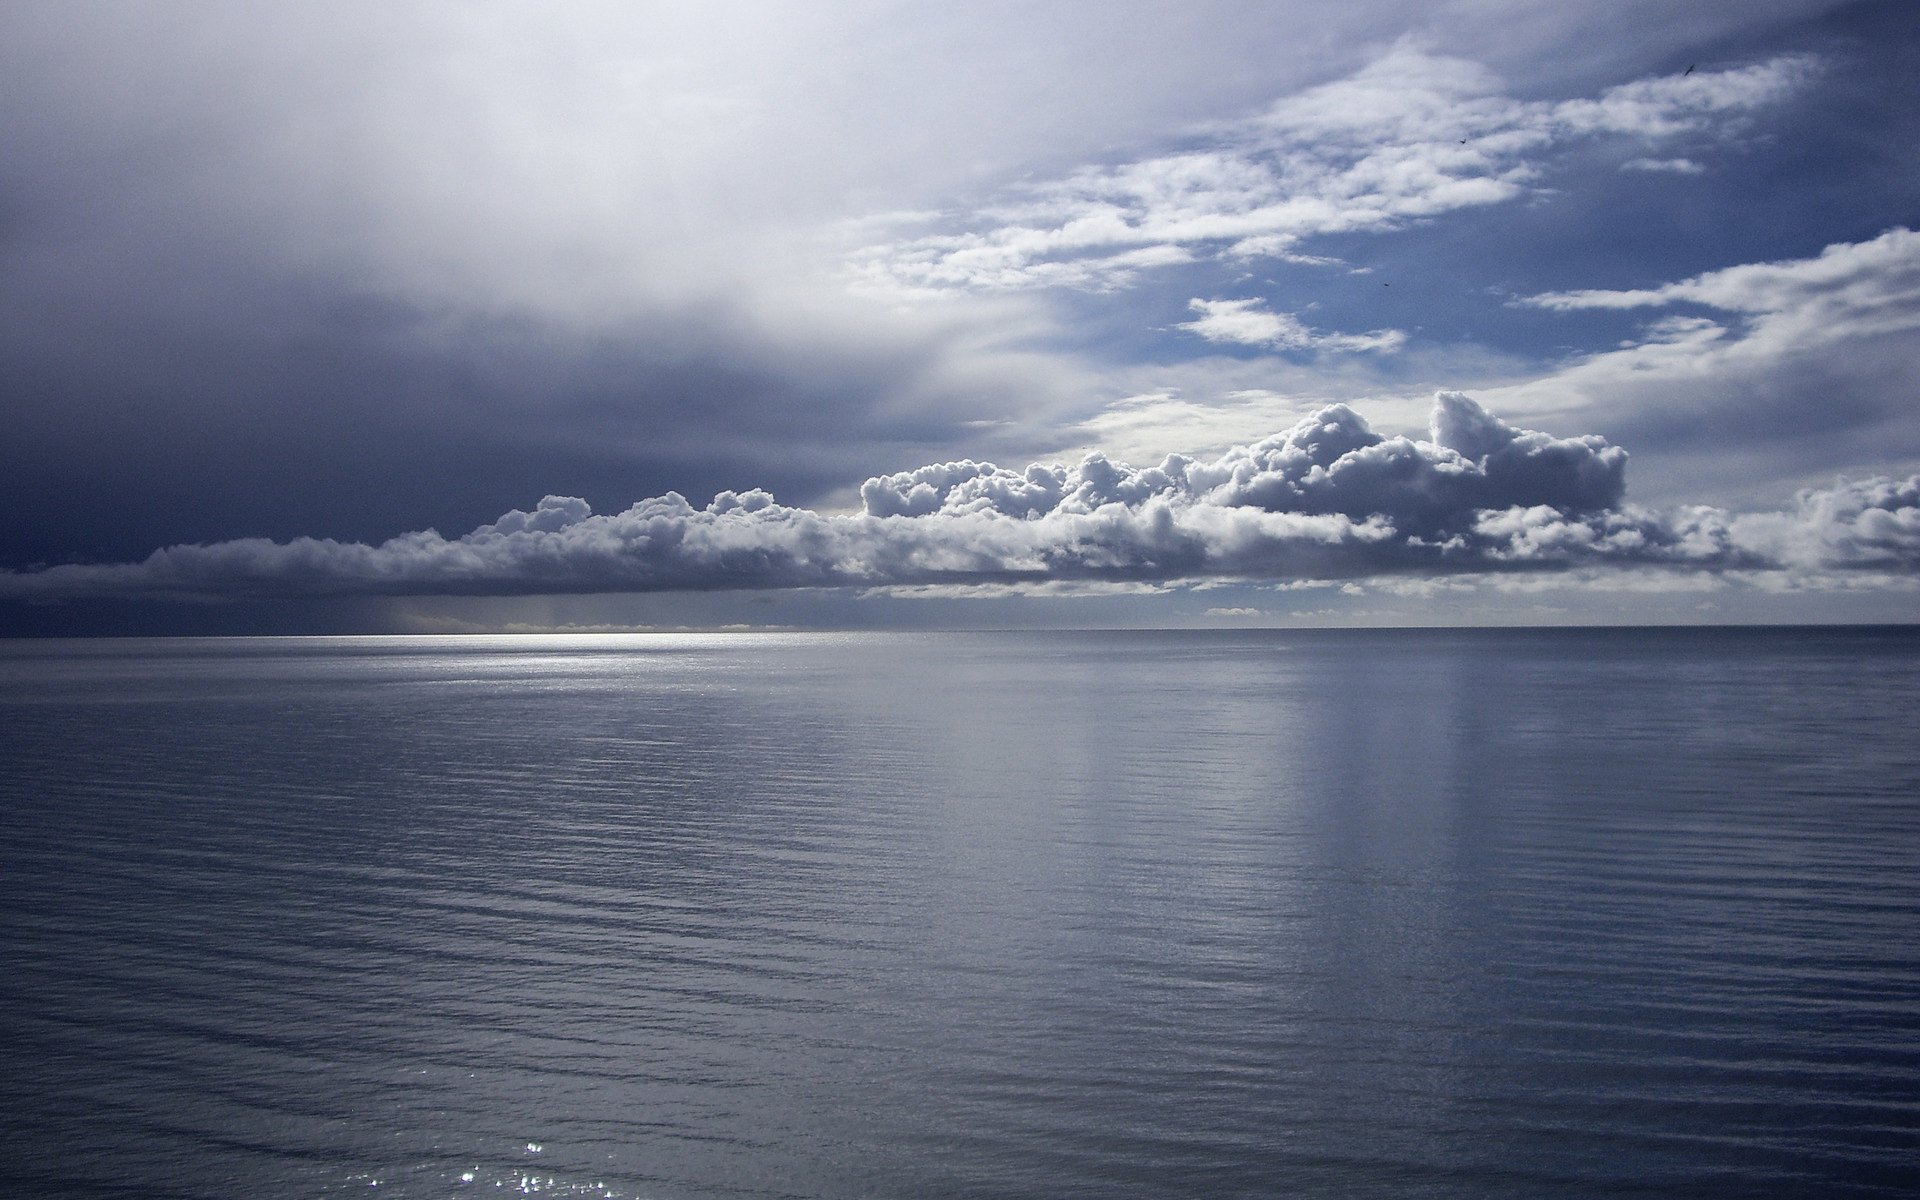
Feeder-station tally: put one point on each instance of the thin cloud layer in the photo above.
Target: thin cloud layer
(1412, 136)
(1248, 323)
(1329, 498)
(1850, 289)
(1814, 353)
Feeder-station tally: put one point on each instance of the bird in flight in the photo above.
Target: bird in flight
(1689, 70)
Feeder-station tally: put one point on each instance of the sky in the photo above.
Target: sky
(437, 317)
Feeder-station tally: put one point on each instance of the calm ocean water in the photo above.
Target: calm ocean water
(1473, 914)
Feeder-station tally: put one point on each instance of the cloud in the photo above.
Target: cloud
(1870, 524)
(1327, 499)
(1409, 137)
(1669, 166)
(1813, 357)
(1850, 289)
(1663, 107)
(274, 269)
(302, 267)
(1246, 323)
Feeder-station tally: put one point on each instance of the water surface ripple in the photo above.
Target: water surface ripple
(1481, 914)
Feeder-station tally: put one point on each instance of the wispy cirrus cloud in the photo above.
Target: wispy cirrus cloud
(1849, 289)
(1819, 350)
(1249, 323)
(1411, 136)
(1664, 166)
(1327, 499)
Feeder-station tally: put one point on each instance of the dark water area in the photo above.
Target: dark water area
(1436, 914)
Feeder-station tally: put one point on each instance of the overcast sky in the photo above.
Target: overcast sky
(893, 314)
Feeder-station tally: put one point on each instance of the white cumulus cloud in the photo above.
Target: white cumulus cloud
(1327, 499)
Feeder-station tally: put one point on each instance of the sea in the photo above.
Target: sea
(1393, 913)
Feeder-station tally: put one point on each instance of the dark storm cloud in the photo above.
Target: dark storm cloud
(1327, 498)
(301, 268)
(285, 408)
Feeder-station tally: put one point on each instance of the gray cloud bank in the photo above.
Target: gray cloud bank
(1329, 498)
